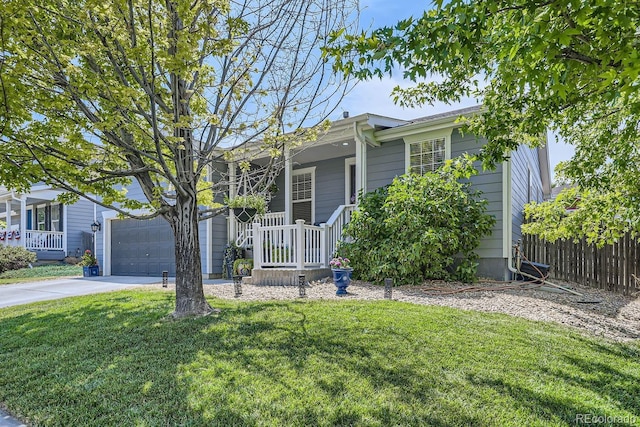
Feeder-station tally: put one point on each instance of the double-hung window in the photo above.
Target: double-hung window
(302, 192)
(427, 151)
(427, 156)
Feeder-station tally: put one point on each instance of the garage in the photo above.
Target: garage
(142, 248)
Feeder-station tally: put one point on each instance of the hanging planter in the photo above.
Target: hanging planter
(244, 214)
(246, 207)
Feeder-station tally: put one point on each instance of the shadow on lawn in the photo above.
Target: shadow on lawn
(108, 360)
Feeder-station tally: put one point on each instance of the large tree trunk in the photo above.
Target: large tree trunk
(190, 300)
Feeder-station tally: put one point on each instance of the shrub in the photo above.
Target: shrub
(419, 227)
(15, 258)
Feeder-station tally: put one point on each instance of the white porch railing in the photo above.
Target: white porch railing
(243, 230)
(298, 246)
(44, 240)
(335, 225)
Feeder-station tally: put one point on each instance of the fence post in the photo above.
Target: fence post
(257, 245)
(300, 252)
(323, 245)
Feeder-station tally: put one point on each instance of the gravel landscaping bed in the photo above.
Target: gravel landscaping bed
(596, 312)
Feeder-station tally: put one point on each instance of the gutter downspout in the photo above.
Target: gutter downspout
(508, 234)
(544, 281)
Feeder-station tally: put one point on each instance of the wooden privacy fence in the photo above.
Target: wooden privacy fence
(611, 267)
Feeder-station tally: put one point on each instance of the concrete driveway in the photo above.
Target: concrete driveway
(24, 293)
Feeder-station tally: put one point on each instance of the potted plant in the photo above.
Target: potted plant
(247, 206)
(242, 267)
(89, 264)
(341, 269)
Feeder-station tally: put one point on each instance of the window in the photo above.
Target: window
(30, 219)
(55, 217)
(41, 217)
(427, 156)
(302, 191)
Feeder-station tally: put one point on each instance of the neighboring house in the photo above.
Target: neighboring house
(319, 184)
(38, 223)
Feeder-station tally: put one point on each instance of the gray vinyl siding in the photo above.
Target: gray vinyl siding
(329, 188)
(79, 219)
(490, 184)
(219, 241)
(385, 163)
(278, 200)
(524, 161)
(219, 229)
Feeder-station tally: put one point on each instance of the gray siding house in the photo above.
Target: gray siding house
(38, 223)
(317, 193)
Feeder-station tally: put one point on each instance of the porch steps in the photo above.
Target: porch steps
(286, 276)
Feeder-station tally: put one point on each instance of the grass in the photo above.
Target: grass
(42, 272)
(115, 359)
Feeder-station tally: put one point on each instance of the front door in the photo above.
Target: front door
(350, 191)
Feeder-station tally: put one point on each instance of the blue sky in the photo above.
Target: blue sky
(373, 96)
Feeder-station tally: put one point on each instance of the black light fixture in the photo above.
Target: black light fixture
(388, 288)
(237, 286)
(96, 226)
(302, 287)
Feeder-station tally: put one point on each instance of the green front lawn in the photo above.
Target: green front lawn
(114, 359)
(39, 273)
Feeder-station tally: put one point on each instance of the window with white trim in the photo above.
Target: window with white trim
(41, 218)
(427, 156)
(302, 194)
(55, 217)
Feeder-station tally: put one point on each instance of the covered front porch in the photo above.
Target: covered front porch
(316, 194)
(34, 221)
(281, 252)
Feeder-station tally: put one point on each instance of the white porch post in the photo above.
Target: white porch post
(23, 221)
(66, 231)
(232, 225)
(300, 253)
(7, 204)
(361, 162)
(257, 246)
(323, 244)
(288, 170)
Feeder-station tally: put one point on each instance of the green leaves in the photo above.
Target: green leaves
(415, 228)
(534, 65)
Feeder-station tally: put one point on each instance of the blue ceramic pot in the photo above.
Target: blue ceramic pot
(341, 278)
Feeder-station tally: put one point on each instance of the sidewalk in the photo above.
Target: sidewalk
(7, 420)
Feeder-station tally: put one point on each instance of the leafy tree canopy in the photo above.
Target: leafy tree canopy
(97, 94)
(565, 64)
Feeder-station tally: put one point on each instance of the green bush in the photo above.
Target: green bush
(419, 227)
(15, 258)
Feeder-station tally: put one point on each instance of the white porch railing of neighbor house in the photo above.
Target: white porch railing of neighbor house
(298, 246)
(244, 234)
(44, 240)
(7, 238)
